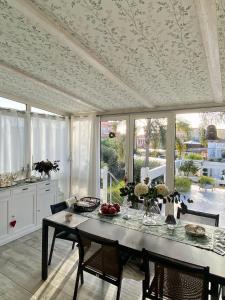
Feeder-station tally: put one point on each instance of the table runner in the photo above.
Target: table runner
(214, 239)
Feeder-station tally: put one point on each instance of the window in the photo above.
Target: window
(50, 140)
(200, 160)
(6, 103)
(41, 111)
(12, 142)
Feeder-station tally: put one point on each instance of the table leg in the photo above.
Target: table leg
(44, 250)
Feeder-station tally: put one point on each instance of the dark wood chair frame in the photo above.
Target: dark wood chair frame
(200, 214)
(82, 267)
(149, 257)
(60, 234)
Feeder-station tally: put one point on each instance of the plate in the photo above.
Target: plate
(108, 215)
(195, 230)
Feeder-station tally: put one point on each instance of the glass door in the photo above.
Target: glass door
(149, 157)
(114, 153)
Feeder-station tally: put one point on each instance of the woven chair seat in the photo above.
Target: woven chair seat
(169, 284)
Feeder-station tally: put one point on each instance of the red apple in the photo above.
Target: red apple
(117, 207)
(112, 210)
(104, 209)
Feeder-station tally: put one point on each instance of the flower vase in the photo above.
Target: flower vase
(170, 212)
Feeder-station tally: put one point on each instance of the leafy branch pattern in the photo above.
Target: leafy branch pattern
(155, 46)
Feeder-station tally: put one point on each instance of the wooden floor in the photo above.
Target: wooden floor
(20, 274)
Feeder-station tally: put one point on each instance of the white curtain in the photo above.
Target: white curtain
(50, 140)
(85, 169)
(12, 141)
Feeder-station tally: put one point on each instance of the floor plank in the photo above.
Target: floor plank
(20, 274)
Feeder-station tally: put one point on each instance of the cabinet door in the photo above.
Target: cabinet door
(4, 203)
(45, 198)
(22, 208)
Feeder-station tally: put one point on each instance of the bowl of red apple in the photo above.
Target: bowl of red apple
(110, 210)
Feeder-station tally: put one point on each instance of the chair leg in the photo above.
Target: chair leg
(118, 291)
(82, 277)
(52, 248)
(143, 290)
(73, 245)
(76, 284)
(223, 292)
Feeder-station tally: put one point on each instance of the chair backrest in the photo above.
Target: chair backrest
(177, 280)
(55, 208)
(99, 255)
(199, 217)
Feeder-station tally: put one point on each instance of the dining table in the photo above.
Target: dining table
(133, 235)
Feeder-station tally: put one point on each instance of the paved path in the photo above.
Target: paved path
(209, 201)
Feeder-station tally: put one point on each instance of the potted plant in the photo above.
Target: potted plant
(45, 167)
(207, 182)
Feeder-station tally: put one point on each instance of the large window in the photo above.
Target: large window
(200, 160)
(20, 147)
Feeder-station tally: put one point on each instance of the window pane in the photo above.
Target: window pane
(41, 111)
(200, 161)
(150, 150)
(12, 142)
(50, 140)
(6, 103)
(113, 146)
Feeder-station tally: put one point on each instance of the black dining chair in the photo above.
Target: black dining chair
(100, 257)
(60, 234)
(199, 217)
(174, 280)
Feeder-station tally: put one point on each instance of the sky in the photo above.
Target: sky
(194, 119)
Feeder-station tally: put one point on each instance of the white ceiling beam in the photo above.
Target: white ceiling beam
(36, 16)
(49, 86)
(206, 11)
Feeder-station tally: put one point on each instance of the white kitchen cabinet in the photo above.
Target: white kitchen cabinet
(45, 197)
(27, 204)
(22, 207)
(4, 205)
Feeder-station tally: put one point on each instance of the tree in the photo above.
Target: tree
(155, 134)
(188, 168)
(209, 118)
(185, 128)
(180, 147)
(202, 137)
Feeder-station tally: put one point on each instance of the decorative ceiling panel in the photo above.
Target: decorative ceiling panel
(27, 47)
(10, 84)
(154, 46)
(221, 37)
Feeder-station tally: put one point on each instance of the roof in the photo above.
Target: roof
(105, 56)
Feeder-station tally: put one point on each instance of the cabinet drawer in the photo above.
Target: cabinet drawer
(48, 189)
(45, 185)
(24, 189)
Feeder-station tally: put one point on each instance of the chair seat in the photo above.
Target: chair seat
(66, 236)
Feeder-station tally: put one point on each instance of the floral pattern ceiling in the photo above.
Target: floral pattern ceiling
(155, 47)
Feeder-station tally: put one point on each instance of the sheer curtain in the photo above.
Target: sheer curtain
(85, 156)
(12, 141)
(50, 140)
